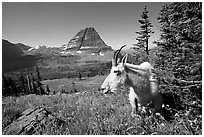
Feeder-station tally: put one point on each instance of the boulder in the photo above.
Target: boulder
(30, 121)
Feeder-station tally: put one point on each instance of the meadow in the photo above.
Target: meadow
(89, 112)
(84, 110)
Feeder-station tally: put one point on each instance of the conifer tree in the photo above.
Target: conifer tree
(144, 33)
(5, 86)
(12, 87)
(181, 38)
(80, 76)
(29, 84)
(180, 55)
(39, 84)
(33, 84)
(181, 23)
(22, 84)
(48, 91)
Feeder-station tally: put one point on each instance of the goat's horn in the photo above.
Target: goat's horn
(124, 59)
(114, 62)
(115, 56)
(119, 51)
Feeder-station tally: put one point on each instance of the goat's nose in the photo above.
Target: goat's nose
(101, 89)
(104, 90)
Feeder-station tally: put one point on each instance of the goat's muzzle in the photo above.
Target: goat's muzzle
(103, 90)
(107, 91)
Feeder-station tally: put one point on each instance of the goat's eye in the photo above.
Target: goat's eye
(115, 71)
(118, 72)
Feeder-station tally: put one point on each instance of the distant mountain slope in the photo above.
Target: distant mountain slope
(23, 47)
(13, 57)
(10, 50)
(86, 39)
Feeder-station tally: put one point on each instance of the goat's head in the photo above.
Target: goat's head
(117, 74)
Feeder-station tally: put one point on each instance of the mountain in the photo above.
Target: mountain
(20, 56)
(10, 49)
(13, 57)
(23, 47)
(86, 39)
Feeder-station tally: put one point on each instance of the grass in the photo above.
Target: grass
(86, 84)
(89, 112)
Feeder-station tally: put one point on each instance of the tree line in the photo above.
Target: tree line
(181, 40)
(24, 85)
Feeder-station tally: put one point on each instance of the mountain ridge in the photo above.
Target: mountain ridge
(13, 57)
(87, 39)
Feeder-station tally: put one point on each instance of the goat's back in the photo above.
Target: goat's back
(141, 86)
(146, 66)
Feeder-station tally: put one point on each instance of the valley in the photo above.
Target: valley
(90, 57)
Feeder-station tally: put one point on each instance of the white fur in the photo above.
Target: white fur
(141, 82)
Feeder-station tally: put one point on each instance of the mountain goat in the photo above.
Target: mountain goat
(140, 79)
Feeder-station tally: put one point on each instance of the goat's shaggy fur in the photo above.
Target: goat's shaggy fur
(139, 79)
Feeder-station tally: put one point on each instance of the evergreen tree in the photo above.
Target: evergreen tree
(180, 47)
(80, 76)
(181, 23)
(33, 84)
(39, 84)
(180, 55)
(22, 84)
(181, 38)
(12, 87)
(48, 91)
(5, 86)
(145, 32)
(29, 84)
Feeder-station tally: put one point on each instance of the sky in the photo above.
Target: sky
(54, 24)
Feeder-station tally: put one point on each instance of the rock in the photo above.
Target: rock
(86, 39)
(30, 120)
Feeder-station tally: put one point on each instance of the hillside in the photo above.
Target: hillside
(13, 57)
(10, 50)
(23, 47)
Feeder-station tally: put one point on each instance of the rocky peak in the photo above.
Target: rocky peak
(86, 39)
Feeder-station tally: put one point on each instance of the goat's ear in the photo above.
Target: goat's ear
(113, 62)
(118, 60)
(124, 59)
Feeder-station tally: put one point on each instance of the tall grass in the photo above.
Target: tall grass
(92, 113)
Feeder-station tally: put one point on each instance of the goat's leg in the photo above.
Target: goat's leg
(133, 102)
(134, 107)
(158, 101)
